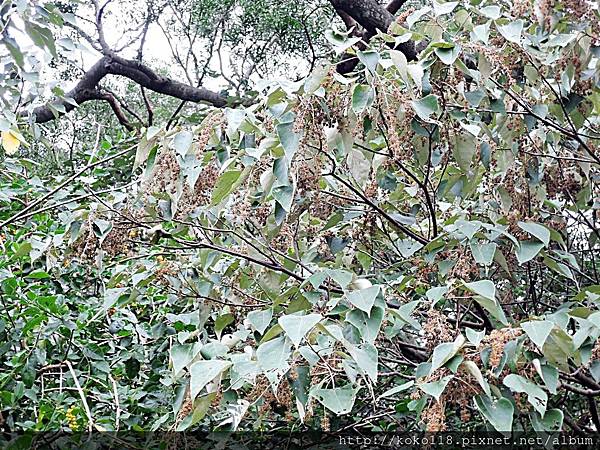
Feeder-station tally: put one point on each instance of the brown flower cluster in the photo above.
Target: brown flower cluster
(201, 194)
(497, 340)
(437, 329)
(282, 399)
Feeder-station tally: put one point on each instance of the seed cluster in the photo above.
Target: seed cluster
(497, 340)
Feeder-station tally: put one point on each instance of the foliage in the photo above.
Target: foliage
(416, 241)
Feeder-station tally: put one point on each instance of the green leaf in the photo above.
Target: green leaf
(202, 372)
(552, 421)
(499, 413)
(396, 389)
(441, 9)
(426, 106)
(527, 250)
(436, 388)
(182, 355)
(339, 400)
(296, 326)
(224, 186)
(536, 230)
(273, 354)
(538, 331)
(362, 97)
(464, 149)
(369, 58)
(284, 196)
(535, 395)
(38, 275)
(485, 288)
(472, 368)
(367, 326)
(548, 374)
(444, 352)
(512, 31)
(366, 358)
(435, 294)
(484, 253)
(492, 11)
(260, 320)
(493, 308)
(448, 55)
(200, 408)
(182, 142)
(474, 337)
(290, 140)
(364, 299)
(341, 277)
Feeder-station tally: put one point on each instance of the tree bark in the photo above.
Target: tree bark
(87, 88)
(372, 17)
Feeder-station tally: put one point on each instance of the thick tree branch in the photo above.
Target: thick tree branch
(112, 64)
(373, 18)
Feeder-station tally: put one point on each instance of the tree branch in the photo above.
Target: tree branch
(373, 18)
(112, 64)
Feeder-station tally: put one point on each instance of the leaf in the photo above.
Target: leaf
(552, 421)
(472, 368)
(440, 9)
(536, 230)
(426, 106)
(448, 55)
(493, 308)
(284, 195)
(444, 352)
(463, 150)
(182, 355)
(436, 388)
(474, 337)
(538, 331)
(202, 372)
(408, 247)
(273, 354)
(296, 326)
(341, 277)
(10, 142)
(364, 299)
(499, 413)
(260, 320)
(512, 31)
(484, 253)
(485, 288)
(290, 140)
(492, 12)
(236, 412)
(397, 389)
(359, 165)
(224, 186)
(367, 326)
(182, 142)
(527, 250)
(369, 58)
(366, 358)
(401, 63)
(339, 400)
(200, 408)
(535, 395)
(362, 97)
(435, 294)
(548, 374)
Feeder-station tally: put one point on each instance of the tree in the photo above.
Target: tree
(413, 241)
